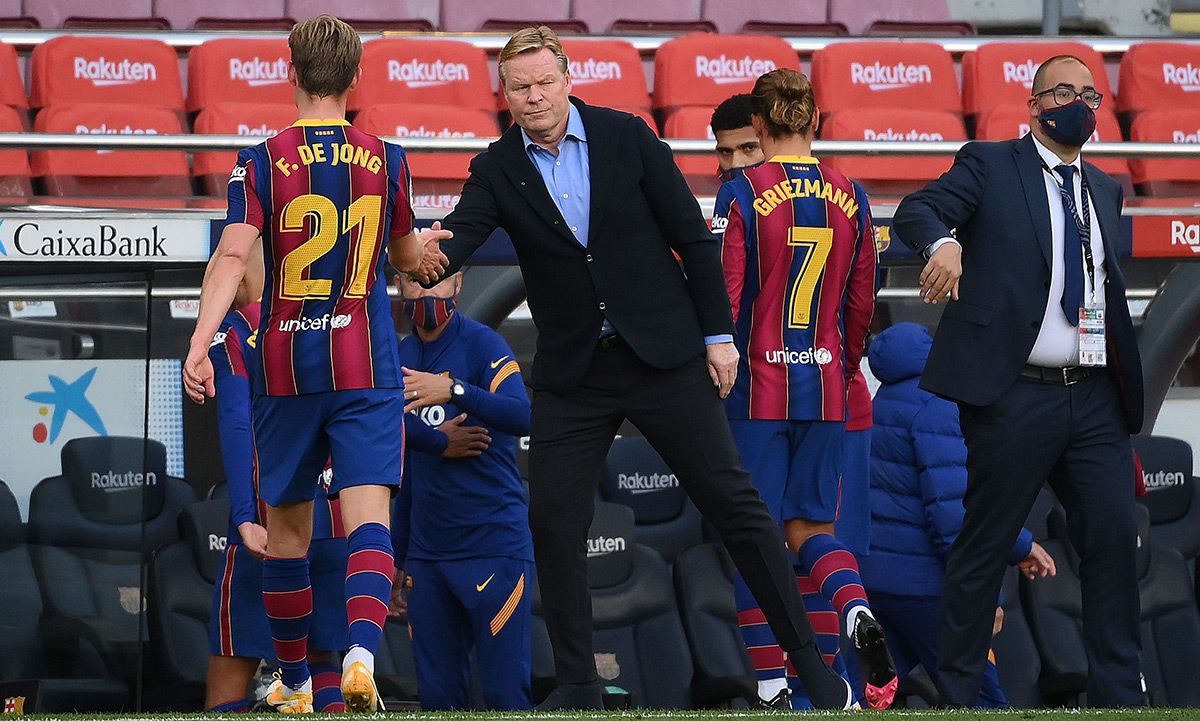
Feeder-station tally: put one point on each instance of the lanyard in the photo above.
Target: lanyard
(1083, 228)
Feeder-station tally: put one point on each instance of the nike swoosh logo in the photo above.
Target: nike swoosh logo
(496, 364)
(479, 588)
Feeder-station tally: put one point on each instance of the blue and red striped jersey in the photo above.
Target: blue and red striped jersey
(326, 198)
(799, 254)
(233, 353)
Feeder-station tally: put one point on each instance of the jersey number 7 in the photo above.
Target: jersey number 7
(817, 242)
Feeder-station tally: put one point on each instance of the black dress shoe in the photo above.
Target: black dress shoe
(573, 697)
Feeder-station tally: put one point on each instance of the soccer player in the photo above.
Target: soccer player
(461, 525)
(325, 198)
(238, 633)
(800, 266)
(737, 145)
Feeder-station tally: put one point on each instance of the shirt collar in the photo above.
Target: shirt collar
(804, 159)
(575, 130)
(313, 122)
(1051, 160)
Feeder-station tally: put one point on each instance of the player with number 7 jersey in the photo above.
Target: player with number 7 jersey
(326, 197)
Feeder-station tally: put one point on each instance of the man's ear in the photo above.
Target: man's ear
(292, 79)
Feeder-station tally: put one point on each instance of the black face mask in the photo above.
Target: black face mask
(1071, 124)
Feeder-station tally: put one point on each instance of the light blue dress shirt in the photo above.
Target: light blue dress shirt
(568, 180)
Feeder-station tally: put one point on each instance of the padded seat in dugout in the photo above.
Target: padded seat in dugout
(892, 175)
(1001, 73)
(431, 172)
(239, 70)
(664, 517)
(1159, 75)
(1166, 177)
(258, 120)
(704, 69)
(111, 70)
(1017, 661)
(181, 580)
(638, 637)
(884, 74)
(1172, 494)
(1170, 624)
(700, 171)
(418, 71)
(704, 589)
(91, 529)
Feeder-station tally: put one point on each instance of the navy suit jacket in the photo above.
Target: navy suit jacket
(995, 196)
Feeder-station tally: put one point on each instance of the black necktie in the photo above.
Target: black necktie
(1075, 234)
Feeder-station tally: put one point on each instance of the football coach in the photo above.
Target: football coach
(595, 206)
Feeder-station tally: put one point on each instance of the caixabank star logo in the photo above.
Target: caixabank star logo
(62, 400)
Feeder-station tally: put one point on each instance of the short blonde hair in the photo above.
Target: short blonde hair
(326, 53)
(531, 40)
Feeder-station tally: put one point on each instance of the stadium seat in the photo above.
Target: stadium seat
(700, 171)
(892, 175)
(885, 75)
(1005, 122)
(607, 72)
(126, 72)
(21, 653)
(92, 528)
(110, 14)
(638, 637)
(800, 17)
(469, 16)
(1001, 73)
(1159, 76)
(257, 120)
(636, 476)
(12, 89)
(702, 69)
(372, 15)
(239, 70)
(14, 164)
(1172, 493)
(110, 172)
(1166, 177)
(1016, 656)
(224, 14)
(898, 17)
(633, 16)
(419, 72)
(704, 589)
(179, 601)
(1170, 624)
(431, 172)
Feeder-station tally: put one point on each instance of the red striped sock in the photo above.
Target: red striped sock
(287, 598)
(369, 573)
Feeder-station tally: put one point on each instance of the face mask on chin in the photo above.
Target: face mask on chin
(428, 312)
(1070, 125)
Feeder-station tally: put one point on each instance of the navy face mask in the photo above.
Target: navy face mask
(428, 312)
(1071, 124)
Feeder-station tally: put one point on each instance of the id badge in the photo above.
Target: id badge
(1093, 350)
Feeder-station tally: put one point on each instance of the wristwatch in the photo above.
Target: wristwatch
(458, 390)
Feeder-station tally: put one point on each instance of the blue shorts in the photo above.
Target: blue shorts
(360, 431)
(853, 526)
(238, 624)
(796, 465)
(465, 605)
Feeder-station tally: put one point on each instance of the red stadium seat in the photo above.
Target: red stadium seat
(1156, 76)
(1001, 73)
(703, 69)
(701, 171)
(1166, 177)
(250, 119)
(14, 164)
(12, 90)
(468, 16)
(91, 14)
(1012, 121)
(432, 172)
(250, 70)
(120, 71)
(623, 16)
(110, 172)
(885, 74)
(893, 175)
(793, 18)
(224, 14)
(921, 16)
(371, 15)
(441, 72)
(607, 72)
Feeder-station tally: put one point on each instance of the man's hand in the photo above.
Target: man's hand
(464, 441)
(198, 374)
(422, 390)
(433, 261)
(398, 604)
(998, 624)
(254, 538)
(1038, 564)
(941, 273)
(722, 366)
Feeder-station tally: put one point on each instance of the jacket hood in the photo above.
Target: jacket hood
(900, 352)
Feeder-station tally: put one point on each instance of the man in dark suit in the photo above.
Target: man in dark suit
(1037, 347)
(595, 206)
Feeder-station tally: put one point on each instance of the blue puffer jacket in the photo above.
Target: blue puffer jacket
(918, 472)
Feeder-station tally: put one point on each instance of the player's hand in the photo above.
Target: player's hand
(998, 624)
(422, 390)
(398, 603)
(254, 538)
(198, 375)
(1038, 564)
(722, 366)
(941, 273)
(433, 261)
(464, 441)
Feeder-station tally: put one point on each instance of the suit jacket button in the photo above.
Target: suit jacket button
(556, 222)
(603, 305)
(589, 257)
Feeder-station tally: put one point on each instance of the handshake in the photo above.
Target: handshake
(430, 261)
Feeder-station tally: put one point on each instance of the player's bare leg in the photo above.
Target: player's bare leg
(228, 680)
(287, 597)
(369, 571)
